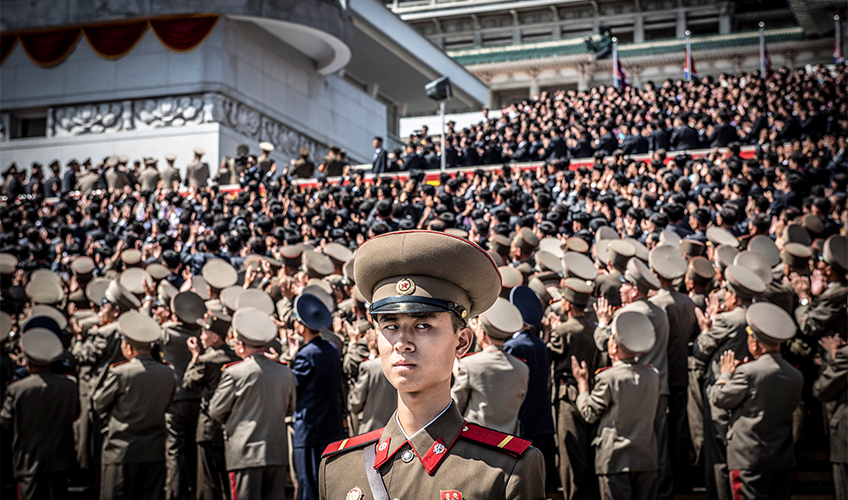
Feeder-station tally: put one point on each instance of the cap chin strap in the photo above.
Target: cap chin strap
(443, 305)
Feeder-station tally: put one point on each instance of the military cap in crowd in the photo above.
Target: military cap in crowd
(199, 151)
(459, 233)
(548, 262)
(158, 272)
(526, 240)
(510, 278)
(813, 224)
(724, 256)
(638, 275)
(44, 290)
(425, 271)
(229, 298)
(165, 292)
(95, 291)
(633, 332)
(170, 156)
(641, 250)
(606, 233)
(528, 303)
(57, 315)
(619, 253)
(219, 274)
(216, 322)
(667, 262)
(188, 307)
(575, 244)
(253, 327)
(755, 263)
(551, 245)
(797, 257)
(317, 265)
(257, 299)
(41, 321)
(5, 326)
(8, 263)
(669, 238)
(835, 252)
(721, 237)
(131, 257)
(500, 244)
(743, 282)
(41, 346)
(577, 265)
(769, 323)
(577, 291)
(309, 310)
(197, 285)
(134, 280)
(796, 233)
(322, 290)
(700, 271)
(266, 146)
(82, 266)
(692, 248)
(542, 292)
(347, 272)
(338, 253)
(502, 319)
(139, 329)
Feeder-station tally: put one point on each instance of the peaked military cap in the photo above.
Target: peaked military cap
(170, 156)
(253, 327)
(317, 265)
(426, 271)
(266, 146)
(769, 323)
(292, 255)
(528, 303)
(8, 263)
(188, 307)
(500, 244)
(323, 291)
(546, 261)
(620, 252)
(95, 291)
(577, 265)
(229, 298)
(606, 233)
(835, 252)
(5, 326)
(577, 291)
(718, 237)
(139, 328)
(510, 278)
(41, 321)
(459, 233)
(134, 279)
(724, 256)
(540, 289)
(700, 271)
(692, 248)
(642, 252)
(667, 262)
(551, 245)
(638, 275)
(82, 266)
(813, 224)
(796, 233)
(347, 272)
(744, 282)
(256, 299)
(41, 346)
(338, 253)
(44, 291)
(219, 274)
(199, 151)
(216, 322)
(633, 332)
(197, 285)
(61, 320)
(312, 312)
(755, 263)
(797, 256)
(575, 244)
(526, 240)
(131, 257)
(165, 292)
(158, 272)
(502, 320)
(669, 238)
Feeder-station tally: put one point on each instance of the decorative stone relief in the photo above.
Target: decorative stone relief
(87, 119)
(288, 142)
(242, 119)
(167, 112)
(4, 126)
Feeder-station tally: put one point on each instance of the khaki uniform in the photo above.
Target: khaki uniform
(169, 175)
(264, 163)
(355, 354)
(253, 398)
(135, 395)
(623, 402)
(572, 338)
(372, 397)
(117, 179)
(825, 314)
(223, 177)
(831, 387)
(489, 388)
(447, 456)
(40, 410)
(149, 178)
(197, 174)
(204, 374)
(333, 167)
(762, 394)
(303, 169)
(88, 183)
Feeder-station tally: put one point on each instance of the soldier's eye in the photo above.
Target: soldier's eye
(422, 326)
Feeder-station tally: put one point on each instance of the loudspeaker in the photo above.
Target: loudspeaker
(439, 90)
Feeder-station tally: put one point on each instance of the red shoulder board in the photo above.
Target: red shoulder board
(231, 364)
(352, 443)
(507, 443)
(119, 363)
(520, 359)
(469, 354)
(599, 370)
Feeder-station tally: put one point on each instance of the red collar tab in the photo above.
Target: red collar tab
(507, 443)
(434, 456)
(382, 456)
(351, 443)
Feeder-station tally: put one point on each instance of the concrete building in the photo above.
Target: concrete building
(291, 72)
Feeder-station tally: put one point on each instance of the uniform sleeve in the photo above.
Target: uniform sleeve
(556, 344)
(814, 317)
(707, 342)
(90, 349)
(222, 401)
(527, 481)
(834, 376)
(354, 354)
(602, 335)
(302, 369)
(359, 394)
(7, 414)
(592, 405)
(729, 390)
(194, 375)
(461, 387)
(105, 395)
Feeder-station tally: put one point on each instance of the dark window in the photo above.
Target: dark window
(34, 127)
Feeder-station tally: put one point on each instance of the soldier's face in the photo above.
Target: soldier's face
(417, 351)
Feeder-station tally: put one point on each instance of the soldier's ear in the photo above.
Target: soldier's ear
(464, 342)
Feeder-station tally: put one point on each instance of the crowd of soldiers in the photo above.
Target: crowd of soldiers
(630, 320)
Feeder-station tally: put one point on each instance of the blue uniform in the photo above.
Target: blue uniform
(535, 419)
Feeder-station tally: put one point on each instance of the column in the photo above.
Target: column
(584, 75)
(556, 32)
(516, 26)
(724, 18)
(638, 29)
(534, 82)
(681, 23)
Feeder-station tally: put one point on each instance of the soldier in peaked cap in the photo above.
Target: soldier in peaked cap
(170, 175)
(523, 245)
(420, 306)
(149, 177)
(181, 419)
(511, 277)
(218, 274)
(822, 308)
(208, 357)
(253, 396)
(624, 402)
(264, 162)
(338, 254)
(490, 385)
(292, 259)
(698, 279)
(501, 245)
(762, 395)
(197, 172)
(616, 253)
(317, 371)
(317, 265)
(134, 396)
(40, 411)
(572, 338)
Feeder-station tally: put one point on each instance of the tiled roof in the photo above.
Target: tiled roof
(574, 46)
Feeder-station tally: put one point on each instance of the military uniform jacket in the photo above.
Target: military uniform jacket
(252, 400)
(40, 410)
(116, 179)
(831, 388)
(87, 183)
(169, 175)
(175, 351)
(489, 388)
(93, 355)
(727, 331)
(762, 395)
(204, 374)
(572, 338)
(447, 456)
(825, 314)
(355, 354)
(658, 356)
(373, 396)
(197, 174)
(149, 178)
(682, 326)
(135, 395)
(624, 402)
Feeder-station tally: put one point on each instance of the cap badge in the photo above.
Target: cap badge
(405, 286)
(354, 494)
(439, 448)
